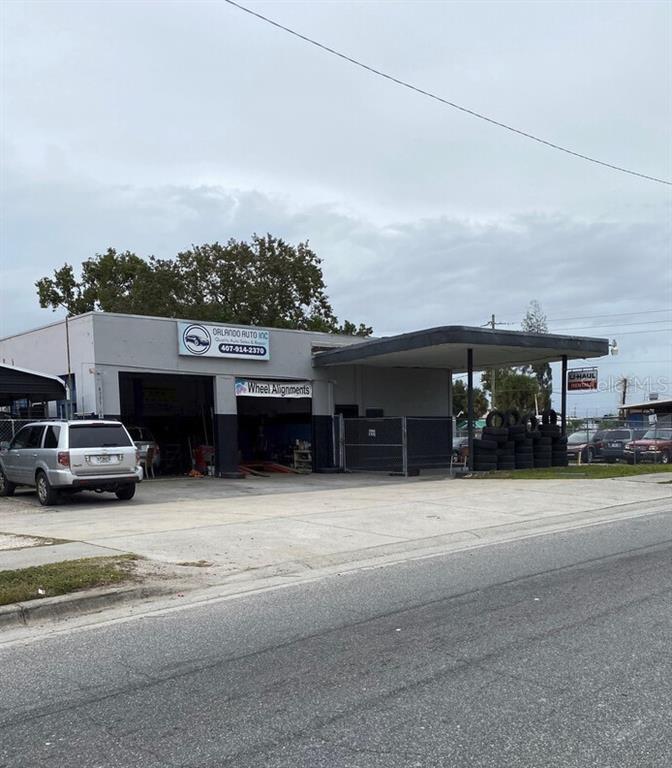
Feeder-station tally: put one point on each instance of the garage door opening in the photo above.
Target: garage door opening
(275, 431)
(177, 411)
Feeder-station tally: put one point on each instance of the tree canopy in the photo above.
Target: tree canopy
(265, 281)
(535, 322)
(460, 400)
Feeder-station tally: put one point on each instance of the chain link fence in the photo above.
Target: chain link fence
(9, 427)
(397, 445)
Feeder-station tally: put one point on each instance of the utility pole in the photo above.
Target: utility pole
(494, 372)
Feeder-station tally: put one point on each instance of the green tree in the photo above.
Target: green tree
(514, 389)
(460, 400)
(265, 281)
(535, 322)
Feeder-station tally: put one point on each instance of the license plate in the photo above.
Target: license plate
(614, 445)
(102, 459)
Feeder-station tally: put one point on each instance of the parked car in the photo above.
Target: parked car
(58, 457)
(144, 440)
(615, 440)
(655, 445)
(581, 444)
(597, 442)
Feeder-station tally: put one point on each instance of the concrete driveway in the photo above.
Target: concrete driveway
(289, 524)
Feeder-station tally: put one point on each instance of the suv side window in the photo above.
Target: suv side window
(35, 437)
(51, 437)
(20, 439)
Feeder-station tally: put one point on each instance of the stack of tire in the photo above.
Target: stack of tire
(495, 449)
(552, 450)
(526, 437)
(512, 441)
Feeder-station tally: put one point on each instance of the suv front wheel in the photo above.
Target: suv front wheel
(6, 488)
(45, 493)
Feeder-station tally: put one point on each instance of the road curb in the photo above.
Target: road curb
(65, 606)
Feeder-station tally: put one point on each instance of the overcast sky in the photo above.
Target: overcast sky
(150, 126)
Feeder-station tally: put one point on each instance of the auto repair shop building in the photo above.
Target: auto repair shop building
(254, 393)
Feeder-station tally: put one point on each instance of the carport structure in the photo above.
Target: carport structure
(20, 384)
(464, 349)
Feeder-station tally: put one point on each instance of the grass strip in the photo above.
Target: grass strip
(581, 472)
(61, 578)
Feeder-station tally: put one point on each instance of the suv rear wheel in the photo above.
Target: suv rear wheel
(6, 488)
(45, 493)
(664, 459)
(126, 492)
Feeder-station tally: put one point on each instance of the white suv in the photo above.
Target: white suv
(69, 456)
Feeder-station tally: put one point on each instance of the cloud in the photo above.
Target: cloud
(396, 276)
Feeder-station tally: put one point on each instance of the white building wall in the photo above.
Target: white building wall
(45, 350)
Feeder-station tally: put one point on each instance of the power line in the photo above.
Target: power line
(651, 330)
(611, 325)
(615, 314)
(440, 99)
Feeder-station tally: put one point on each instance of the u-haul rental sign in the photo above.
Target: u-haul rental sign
(201, 340)
(581, 379)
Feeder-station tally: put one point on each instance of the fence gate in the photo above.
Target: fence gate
(396, 444)
(374, 445)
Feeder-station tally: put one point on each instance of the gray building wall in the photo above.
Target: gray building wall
(398, 391)
(102, 345)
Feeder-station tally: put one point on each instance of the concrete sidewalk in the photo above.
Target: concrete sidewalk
(285, 531)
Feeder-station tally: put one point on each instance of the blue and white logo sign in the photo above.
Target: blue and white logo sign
(205, 340)
(196, 339)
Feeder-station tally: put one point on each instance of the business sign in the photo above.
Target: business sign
(581, 379)
(267, 388)
(201, 340)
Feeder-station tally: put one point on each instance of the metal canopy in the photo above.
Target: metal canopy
(21, 384)
(446, 347)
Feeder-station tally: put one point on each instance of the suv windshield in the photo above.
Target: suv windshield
(98, 436)
(658, 434)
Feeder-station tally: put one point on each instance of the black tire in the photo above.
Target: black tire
(562, 440)
(665, 457)
(524, 451)
(549, 416)
(587, 456)
(46, 495)
(126, 492)
(519, 438)
(535, 435)
(495, 433)
(545, 440)
(524, 464)
(485, 445)
(506, 465)
(550, 430)
(542, 463)
(512, 418)
(495, 419)
(529, 421)
(6, 488)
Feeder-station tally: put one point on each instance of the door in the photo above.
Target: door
(11, 459)
(27, 453)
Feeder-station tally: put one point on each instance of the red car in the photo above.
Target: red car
(656, 446)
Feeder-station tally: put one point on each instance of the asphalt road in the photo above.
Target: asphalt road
(552, 651)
